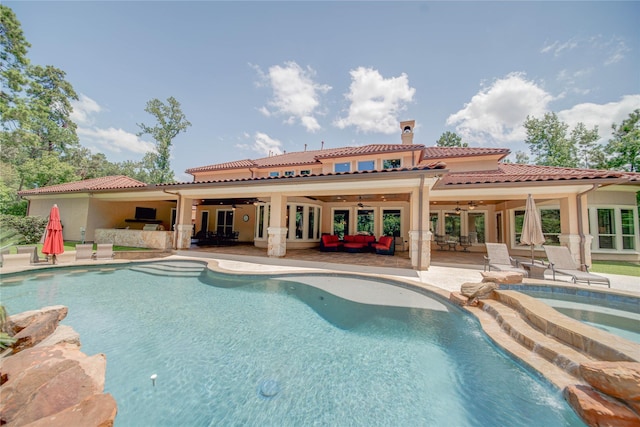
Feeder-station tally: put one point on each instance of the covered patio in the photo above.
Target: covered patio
(399, 260)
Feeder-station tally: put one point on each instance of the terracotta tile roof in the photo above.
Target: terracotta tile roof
(447, 152)
(238, 164)
(310, 157)
(423, 166)
(103, 183)
(512, 172)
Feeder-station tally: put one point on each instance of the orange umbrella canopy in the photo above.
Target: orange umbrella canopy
(53, 242)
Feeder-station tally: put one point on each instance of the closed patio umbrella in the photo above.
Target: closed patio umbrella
(53, 241)
(532, 226)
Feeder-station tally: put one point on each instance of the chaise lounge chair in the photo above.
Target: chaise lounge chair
(31, 250)
(562, 262)
(499, 259)
(104, 251)
(84, 251)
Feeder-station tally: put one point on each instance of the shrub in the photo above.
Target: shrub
(31, 227)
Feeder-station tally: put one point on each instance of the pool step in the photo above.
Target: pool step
(547, 340)
(174, 269)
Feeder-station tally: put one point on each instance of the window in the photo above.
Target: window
(299, 221)
(391, 225)
(606, 229)
(365, 221)
(341, 222)
(433, 222)
(342, 167)
(391, 164)
(204, 221)
(262, 221)
(614, 228)
(274, 174)
(628, 229)
(367, 165)
(225, 222)
(476, 227)
(305, 172)
(550, 220)
(289, 173)
(452, 225)
(311, 220)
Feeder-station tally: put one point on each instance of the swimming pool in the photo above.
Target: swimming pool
(614, 313)
(254, 350)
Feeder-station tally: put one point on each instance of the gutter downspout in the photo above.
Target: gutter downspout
(175, 232)
(420, 209)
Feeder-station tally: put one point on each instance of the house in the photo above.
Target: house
(406, 190)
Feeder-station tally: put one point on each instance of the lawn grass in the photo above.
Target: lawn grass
(616, 267)
(71, 246)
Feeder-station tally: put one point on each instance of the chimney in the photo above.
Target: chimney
(407, 131)
(322, 145)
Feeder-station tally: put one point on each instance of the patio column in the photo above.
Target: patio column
(183, 226)
(277, 230)
(419, 235)
(420, 247)
(570, 229)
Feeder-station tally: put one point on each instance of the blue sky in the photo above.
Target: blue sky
(255, 78)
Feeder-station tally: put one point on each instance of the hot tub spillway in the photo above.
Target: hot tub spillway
(168, 268)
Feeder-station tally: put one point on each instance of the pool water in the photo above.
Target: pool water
(617, 318)
(231, 350)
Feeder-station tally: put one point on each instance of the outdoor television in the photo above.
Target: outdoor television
(145, 213)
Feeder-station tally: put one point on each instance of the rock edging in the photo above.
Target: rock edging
(47, 380)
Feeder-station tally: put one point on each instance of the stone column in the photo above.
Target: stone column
(183, 227)
(420, 243)
(277, 246)
(183, 236)
(277, 230)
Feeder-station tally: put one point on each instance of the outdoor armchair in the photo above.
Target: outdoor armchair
(499, 259)
(561, 261)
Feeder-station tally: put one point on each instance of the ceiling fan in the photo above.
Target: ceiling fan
(362, 205)
(458, 209)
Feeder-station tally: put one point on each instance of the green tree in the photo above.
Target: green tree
(522, 158)
(35, 106)
(548, 141)
(450, 139)
(590, 153)
(623, 148)
(13, 64)
(171, 122)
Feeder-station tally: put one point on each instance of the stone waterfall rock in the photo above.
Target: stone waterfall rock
(612, 396)
(52, 383)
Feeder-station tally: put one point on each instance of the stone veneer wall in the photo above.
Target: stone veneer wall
(135, 238)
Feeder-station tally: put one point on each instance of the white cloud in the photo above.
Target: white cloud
(114, 140)
(84, 109)
(601, 115)
(103, 140)
(376, 102)
(263, 144)
(558, 48)
(296, 95)
(497, 113)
